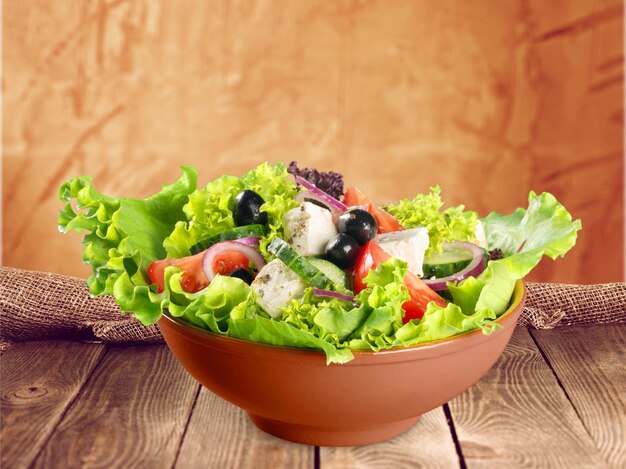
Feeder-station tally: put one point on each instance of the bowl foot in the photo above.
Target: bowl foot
(324, 436)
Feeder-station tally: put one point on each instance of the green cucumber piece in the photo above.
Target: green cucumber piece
(446, 263)
(299, 264)
(238, 232)
(334, 273)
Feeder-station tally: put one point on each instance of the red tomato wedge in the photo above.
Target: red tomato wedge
(386, 221)
(193, 278)
(369, 258)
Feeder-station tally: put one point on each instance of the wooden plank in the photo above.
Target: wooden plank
(589, 362)
(39, 380)
(132, 412)
(518, 416)
(428, 444)
(234, 441)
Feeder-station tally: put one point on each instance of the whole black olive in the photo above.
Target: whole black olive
(342, 250)
(358, 223)
(247, 209)
(242, 274)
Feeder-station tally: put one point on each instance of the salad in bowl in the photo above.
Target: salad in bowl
(293, 257)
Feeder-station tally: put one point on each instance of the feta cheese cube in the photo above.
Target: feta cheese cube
(309, 228)
(407, 245)
(276, 285)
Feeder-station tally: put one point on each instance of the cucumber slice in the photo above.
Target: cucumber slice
(238, 232)
(299, 264)
(446, 263)
(334, 273)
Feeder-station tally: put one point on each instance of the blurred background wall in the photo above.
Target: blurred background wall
(489, 99)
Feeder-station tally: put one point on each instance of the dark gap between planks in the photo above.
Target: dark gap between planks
(457, 444)
(558, 380)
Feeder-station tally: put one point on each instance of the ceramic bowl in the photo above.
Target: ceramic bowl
(291, 392)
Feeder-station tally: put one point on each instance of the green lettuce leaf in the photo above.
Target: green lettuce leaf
(381, 303)
(270, 331)
(209, 210)
(524, 237)
(451, 224)
(440, 323)
(124, 237)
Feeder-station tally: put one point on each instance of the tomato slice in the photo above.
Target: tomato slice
(353, 196)
(371, 255)
(227, 262)
(193, 278)
(386, 221)
(156, 273)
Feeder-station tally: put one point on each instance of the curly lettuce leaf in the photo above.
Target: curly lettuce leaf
(209, 210)
(328, 318)
(451, 224)
(545, 228)
(124, 236)
(382, 304)
(525, 236)
(269, 331)
(440, 323)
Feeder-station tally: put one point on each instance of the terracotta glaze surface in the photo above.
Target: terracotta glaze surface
(293, 394)
(488, 99)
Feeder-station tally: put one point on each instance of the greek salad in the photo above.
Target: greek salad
(290, 256)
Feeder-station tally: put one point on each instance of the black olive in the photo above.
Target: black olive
(243, 274)
(360, 224)
(247, 209)
(342, 250)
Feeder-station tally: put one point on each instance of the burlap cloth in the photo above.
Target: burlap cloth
(41, 305)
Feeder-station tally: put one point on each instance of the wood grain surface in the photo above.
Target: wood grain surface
(590, 363)
(557, 401)
(488, 100)
(131, 413)
(39, 380)
(517, 415)
(242, 445)
(427, 444)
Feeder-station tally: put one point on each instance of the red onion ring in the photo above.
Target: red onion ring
(224, 246)
(249, 241)
(333, 294)
(305, 196)
(473, 269)
(320, 194)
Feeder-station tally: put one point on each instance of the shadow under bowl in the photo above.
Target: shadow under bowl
(291, 392)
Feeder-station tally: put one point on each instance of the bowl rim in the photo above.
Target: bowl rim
(197, 334)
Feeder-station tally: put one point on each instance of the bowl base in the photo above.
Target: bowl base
(324, 436)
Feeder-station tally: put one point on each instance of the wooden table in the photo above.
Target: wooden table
(555, 398)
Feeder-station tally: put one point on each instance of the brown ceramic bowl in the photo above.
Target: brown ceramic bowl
(293, 394)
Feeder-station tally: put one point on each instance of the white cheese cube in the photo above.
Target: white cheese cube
(276, 285)
(309, 228)
(407, 245)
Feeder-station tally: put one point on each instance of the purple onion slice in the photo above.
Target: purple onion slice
(473, 269)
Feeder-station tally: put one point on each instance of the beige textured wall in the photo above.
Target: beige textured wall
(489, 99)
